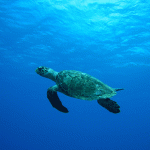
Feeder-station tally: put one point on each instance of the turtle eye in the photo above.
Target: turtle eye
(40, 69)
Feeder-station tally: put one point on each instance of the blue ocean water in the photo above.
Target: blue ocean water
(108, 39)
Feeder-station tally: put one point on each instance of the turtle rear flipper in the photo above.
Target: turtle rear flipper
(110, 105)
(55, 101)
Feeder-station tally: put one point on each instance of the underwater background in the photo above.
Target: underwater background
(108, 39)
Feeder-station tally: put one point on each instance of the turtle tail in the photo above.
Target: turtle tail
(118, 89)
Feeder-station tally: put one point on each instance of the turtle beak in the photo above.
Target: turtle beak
(38, 70)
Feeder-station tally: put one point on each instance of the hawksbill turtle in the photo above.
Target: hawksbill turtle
(78, 85)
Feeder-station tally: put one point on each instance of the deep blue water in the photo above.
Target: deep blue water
(108, 39)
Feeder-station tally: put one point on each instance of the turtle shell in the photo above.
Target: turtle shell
(82, 86)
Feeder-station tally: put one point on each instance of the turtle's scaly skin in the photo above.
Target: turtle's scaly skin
(82, 86)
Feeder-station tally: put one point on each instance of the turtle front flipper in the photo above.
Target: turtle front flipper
(55, 101)
(110, 105)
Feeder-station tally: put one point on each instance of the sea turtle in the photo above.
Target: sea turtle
(78, 85)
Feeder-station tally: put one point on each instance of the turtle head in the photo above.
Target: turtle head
(41, 71)
(46, 72)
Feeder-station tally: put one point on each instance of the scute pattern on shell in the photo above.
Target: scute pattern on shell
(83, 86)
